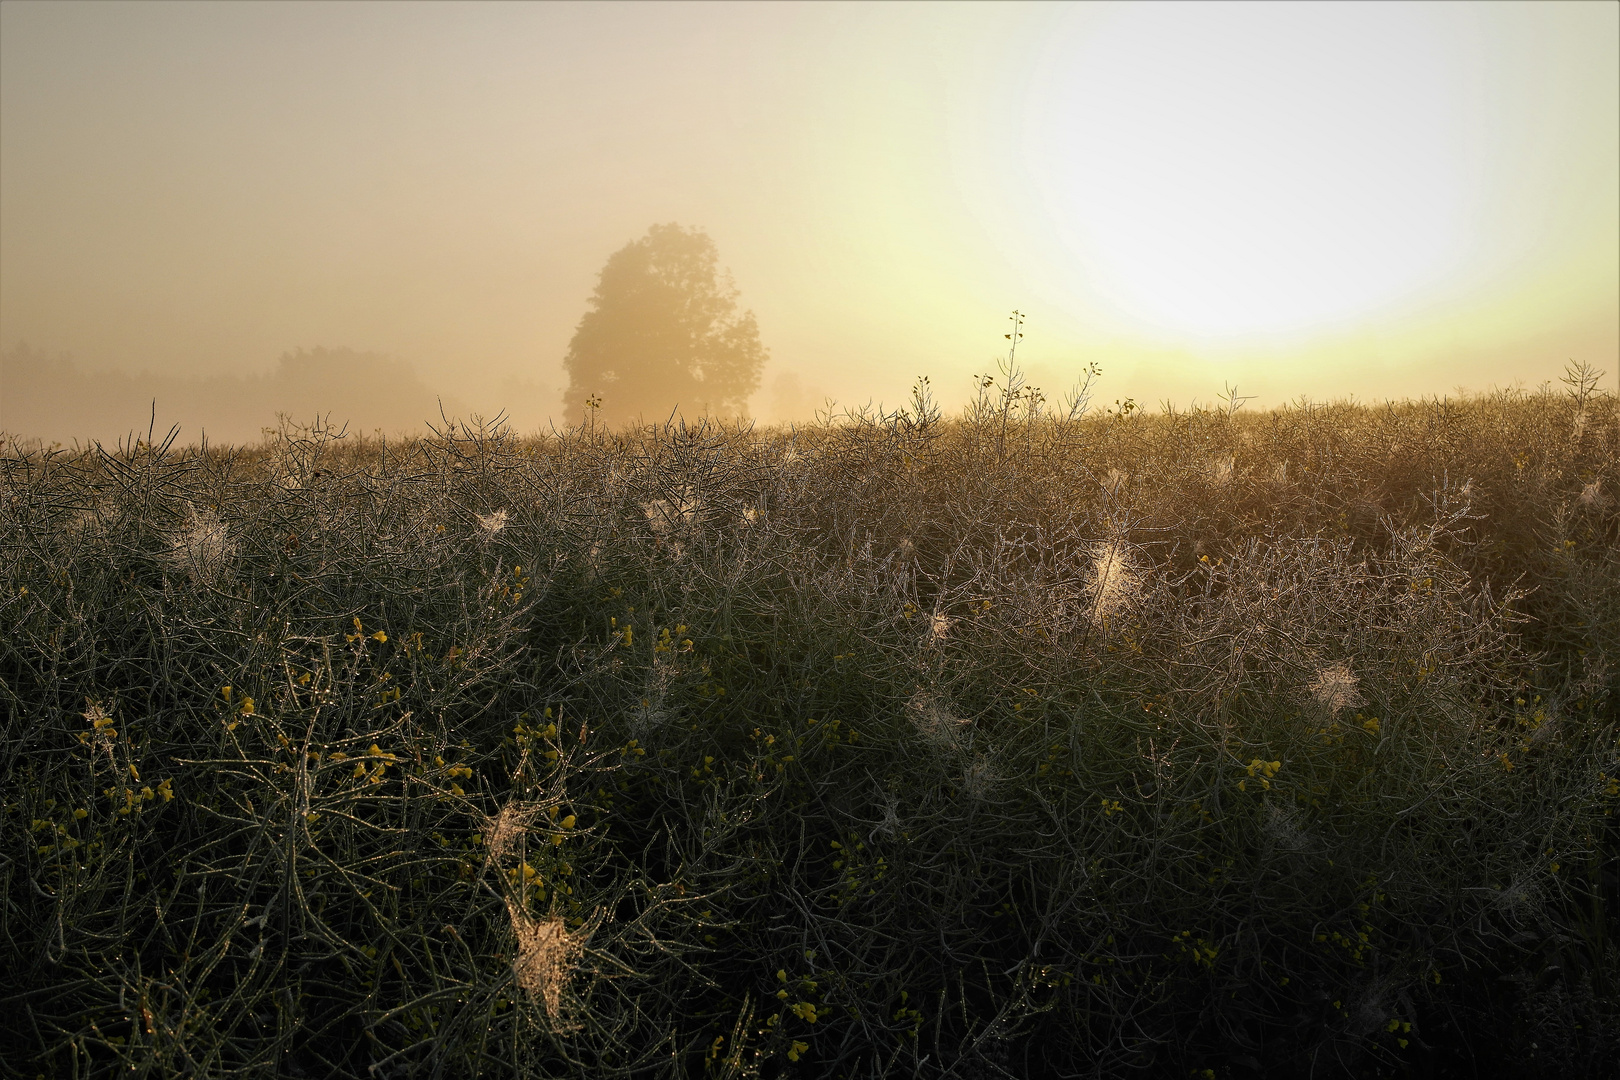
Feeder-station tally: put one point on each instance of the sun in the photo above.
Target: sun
(1248, 171)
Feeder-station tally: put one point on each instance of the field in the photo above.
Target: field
(1205, 743)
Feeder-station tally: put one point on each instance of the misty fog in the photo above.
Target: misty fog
(53, 399)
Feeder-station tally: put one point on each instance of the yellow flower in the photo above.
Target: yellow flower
(796, 1049)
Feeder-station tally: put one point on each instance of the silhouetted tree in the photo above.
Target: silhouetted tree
(663, 332)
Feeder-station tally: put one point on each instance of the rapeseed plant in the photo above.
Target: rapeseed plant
(1025, 822)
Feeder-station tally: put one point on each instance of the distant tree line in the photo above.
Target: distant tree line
(662, 336)
(52, 399)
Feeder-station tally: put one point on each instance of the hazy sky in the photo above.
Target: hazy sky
(1379, 199)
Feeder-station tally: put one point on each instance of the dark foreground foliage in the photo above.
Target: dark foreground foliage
(1197, 744)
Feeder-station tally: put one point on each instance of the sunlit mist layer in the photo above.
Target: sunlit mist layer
(1325, 200)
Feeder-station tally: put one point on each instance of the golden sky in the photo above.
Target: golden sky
(1321, 199)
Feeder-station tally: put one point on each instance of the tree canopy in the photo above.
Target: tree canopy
(663, 333)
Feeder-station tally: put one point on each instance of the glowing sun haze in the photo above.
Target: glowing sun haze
(1377, 199)
(1233, 171)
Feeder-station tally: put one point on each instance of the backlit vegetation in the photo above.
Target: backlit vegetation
(1017, 743)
